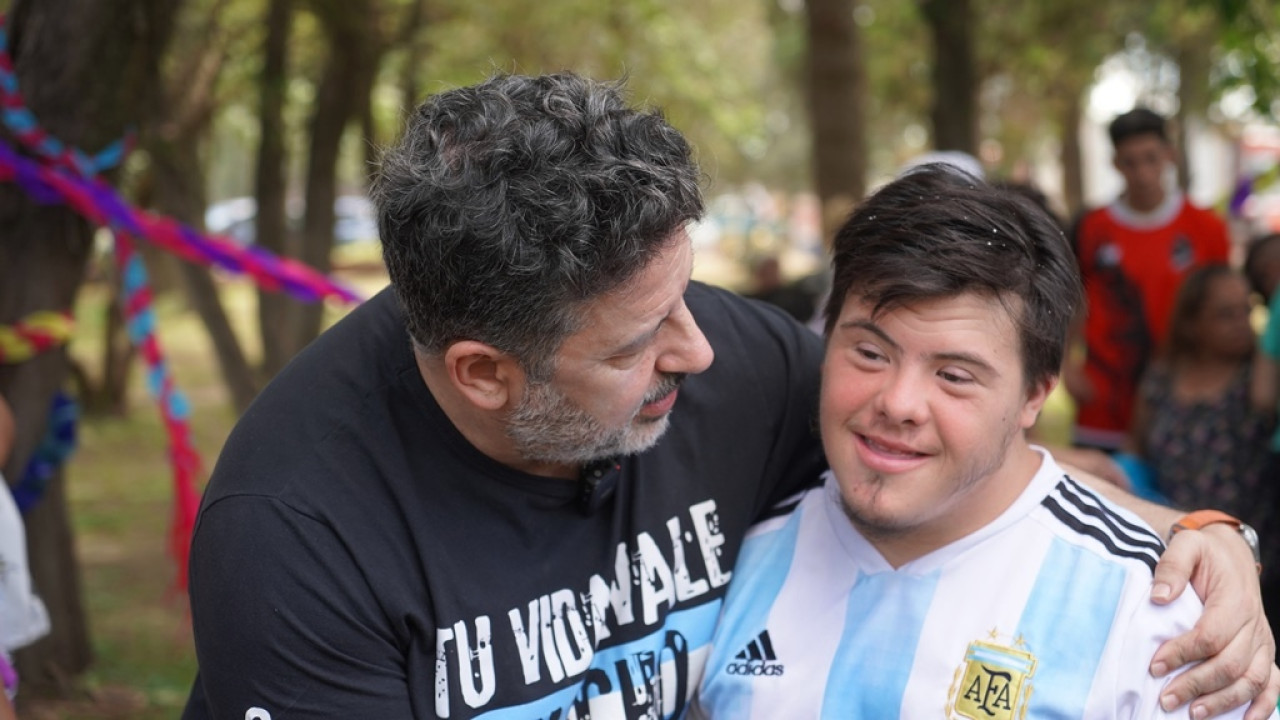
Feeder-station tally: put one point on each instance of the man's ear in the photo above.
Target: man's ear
(483, 374)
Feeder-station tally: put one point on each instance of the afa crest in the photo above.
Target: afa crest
(994, 683)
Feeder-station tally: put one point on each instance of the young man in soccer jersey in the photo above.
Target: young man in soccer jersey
(946, 566)
(1133, 255)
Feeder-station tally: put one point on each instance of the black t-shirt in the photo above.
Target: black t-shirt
(355, 556)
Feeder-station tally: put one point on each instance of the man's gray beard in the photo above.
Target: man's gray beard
(548, 427)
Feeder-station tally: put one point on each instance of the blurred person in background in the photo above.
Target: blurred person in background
(1133, 255)
(1262, 267)
(1088, 459)
(23, 618)
(1196, 421)
(768, 284)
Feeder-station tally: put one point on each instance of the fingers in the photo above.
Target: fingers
(1219, 687)
(1265, 704)
(1198, 644)
(1234, 636)
(1215, 686)
(1185, 552)
(1231, 636)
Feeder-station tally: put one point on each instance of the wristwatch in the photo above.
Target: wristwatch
(1200, 518)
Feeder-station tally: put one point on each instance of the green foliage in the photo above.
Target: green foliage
(707, 64)
(898, 61)
(1249, 51)
(730, 73)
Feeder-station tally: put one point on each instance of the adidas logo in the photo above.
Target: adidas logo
(757, 658)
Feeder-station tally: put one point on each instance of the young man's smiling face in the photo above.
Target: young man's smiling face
(924, 407)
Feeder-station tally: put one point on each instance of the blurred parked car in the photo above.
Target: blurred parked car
(354, 220)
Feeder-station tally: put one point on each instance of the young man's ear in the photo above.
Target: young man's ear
(1036, 398)
(483, 374)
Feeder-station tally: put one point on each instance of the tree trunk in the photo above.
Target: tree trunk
(237, 373)
(415, 51)
(1193, 98)
(270, 187)
(179, 193)
(87, 69)
(58, 254)
(48, 668)
(118, 354)
(354, 50)
(178, 189)
(837, 88)
(955, 76)
(369, 133)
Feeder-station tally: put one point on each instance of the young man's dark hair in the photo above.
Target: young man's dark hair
(1138, 121)
(997, 242)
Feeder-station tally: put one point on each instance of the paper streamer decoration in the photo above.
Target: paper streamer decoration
(55, 447)
(141, 323)
(98, 203)
(69, 176)
(23, 124)
(60, 438)
(40, 331)
(1247, 186)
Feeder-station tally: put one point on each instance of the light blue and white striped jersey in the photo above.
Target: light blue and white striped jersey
(1045, 612)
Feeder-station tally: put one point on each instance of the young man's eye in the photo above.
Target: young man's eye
(867, 353)
(953, 377)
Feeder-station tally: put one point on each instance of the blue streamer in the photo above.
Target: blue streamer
(58, 443)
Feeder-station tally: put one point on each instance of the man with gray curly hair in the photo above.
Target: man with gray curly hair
(539, 194)
(476, 495)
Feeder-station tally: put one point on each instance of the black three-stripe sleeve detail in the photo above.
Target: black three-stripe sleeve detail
(1123, 529)
(1097, 533)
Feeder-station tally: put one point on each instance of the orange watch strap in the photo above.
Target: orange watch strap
(1199, 518)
